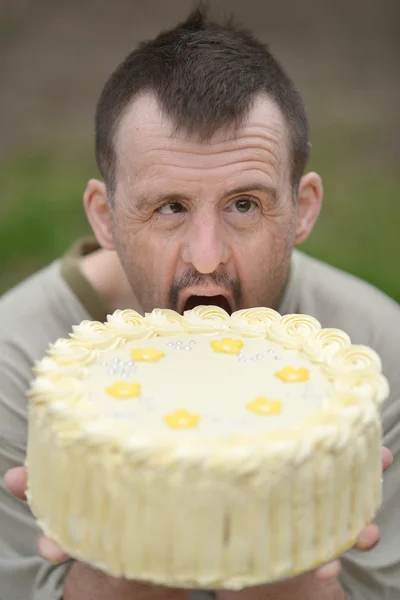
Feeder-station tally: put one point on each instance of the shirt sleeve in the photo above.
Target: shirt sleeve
(23, 574)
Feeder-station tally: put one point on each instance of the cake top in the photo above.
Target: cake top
(205, 376)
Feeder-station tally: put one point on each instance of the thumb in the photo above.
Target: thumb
(50, 551)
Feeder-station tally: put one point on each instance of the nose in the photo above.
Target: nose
(205, 246)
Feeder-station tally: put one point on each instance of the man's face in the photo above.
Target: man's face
(203, 223)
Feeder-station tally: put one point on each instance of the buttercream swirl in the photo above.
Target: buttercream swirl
(322, 345)
(206, 319)
(55, 387)
(291, 331)
(350, 358)
(364, 384)
(128, 324)
(95, 335)
(164, 321)
(253, 322)
(68, 352)
(47, 366)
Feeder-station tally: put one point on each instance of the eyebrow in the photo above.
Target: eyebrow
(147, 201)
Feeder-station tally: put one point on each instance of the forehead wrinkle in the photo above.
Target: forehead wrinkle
(176, 160)
(261, 157)
(156, 144)
(142, 156)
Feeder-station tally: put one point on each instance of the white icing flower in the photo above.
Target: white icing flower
(366, 385)
(128, 324)
(93, 334)
(291, 331)
(353, 358)
(206, 319)
(322, 345)
(164, 321)
(253, 322)
(68, 352)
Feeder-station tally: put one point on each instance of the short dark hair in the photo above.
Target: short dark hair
(205, 76)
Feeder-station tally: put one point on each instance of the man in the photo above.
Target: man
(202, 143)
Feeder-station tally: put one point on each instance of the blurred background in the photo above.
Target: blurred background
(343, 55)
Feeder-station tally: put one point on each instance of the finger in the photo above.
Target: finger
(387, 458)
(368, 538)
(15, 481)
(329, 571)
(49, 550)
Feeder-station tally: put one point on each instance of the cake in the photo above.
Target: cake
(206, 450)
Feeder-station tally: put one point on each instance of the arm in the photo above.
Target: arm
(23, 574)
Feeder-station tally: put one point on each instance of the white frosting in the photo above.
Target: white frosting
(321, 345)
(352, 358)
(292, 330)
(128, 324)
(68, 352)
(206, 319)
(56, 387)
(95, 335)
(216, 386)
(48, 366)
(364, 384)
(165, 322)
(253, 322)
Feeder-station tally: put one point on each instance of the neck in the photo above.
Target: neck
(104, 272)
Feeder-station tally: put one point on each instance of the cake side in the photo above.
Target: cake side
(203, 512)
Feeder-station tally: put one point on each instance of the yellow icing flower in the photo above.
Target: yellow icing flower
(293, 375)
(262, 406)
(124, 390)
(181, 419)
(227, 346)
(146, 354)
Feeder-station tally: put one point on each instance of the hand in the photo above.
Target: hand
(16, 483)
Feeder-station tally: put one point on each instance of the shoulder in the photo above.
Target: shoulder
(36, 312)
(31, 296)
(339, 299)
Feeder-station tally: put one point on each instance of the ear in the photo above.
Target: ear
(97, 208)
(309, 200)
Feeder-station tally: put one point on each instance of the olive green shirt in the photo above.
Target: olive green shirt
(45, 306)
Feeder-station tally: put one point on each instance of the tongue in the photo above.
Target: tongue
(220, 301)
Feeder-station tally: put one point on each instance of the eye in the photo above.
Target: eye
(171, 208)
(243, 206)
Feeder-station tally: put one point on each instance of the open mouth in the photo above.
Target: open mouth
(219, 300)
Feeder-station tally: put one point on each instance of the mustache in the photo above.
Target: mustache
(192, 278)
